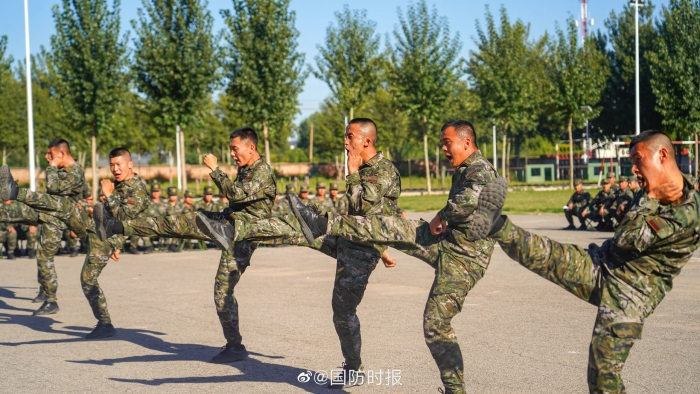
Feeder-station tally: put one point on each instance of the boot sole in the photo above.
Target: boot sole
(53, 312)
(240, 357)
(98, 213)
(304, 227)
(207, 230)
(490, 202)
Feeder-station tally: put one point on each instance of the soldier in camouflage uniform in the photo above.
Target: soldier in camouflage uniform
(444, 243)
(159, 206)
(30, 235)
(304, 194)
(65, 181)
(71, 243)
(576, 205)
(207, 202)
(174, 207)
(189, 204)
(629, 275)
(596, 210)
(322, 203)
(617, 209)
(222, 203)
(340, 203)
(8, 237)
(636, 191)
(251, 197)
(281, 207)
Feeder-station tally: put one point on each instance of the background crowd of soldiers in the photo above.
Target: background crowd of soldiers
(12, 233)
(606, 210)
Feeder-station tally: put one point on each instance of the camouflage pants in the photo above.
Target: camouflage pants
(355, 263)
(9, 239)
(58, 209)
(25, 233)
(620, 318)
(71, 243)
(232, 263)
(576, 212)
(98, 254)
(134, 241)
(455, 275)
(597, 217)
(50, 237)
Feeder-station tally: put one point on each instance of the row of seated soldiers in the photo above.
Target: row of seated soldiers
(607, 208)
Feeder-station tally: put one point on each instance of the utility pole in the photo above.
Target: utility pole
(30, 114)
(636, 4)
(311, 143)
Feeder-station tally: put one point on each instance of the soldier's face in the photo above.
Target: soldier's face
(242, 152)
(172, 198)
(321, 192)
(334, 193)
(155, 195)
(648, 166)
(634, 185)
(606, 187)
(623, 185)
(355, 141)
(208, 198)
(121, 168)
(579, 188)
(189, 200)
(456, 150)
(303, 195)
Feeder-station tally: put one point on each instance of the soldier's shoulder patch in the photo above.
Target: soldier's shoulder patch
(660, 226)
(372, 179)
(131, 201)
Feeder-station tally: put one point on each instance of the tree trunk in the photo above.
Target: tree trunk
(571, 155)
(201, 176)
(311, 143)
(170, 164)
(4, 157)
(95, 179)
(425, 154)
(437, 162)
(267, 143)
(182, 158)
(352, 113)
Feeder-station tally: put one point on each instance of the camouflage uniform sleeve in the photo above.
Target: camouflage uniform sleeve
(465, 200)
(130, 205)
(252, 189)
(643, 228)
(364, 194)
(56, 185)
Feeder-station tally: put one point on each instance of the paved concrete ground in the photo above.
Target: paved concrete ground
(518, 332)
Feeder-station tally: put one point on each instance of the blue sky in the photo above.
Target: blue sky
(314, 16)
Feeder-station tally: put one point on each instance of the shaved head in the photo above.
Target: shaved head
(463, 128)
(61, 145)
(654, 141)
(367, 127)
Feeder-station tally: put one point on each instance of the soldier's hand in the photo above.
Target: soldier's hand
(601, 211)
(211, 161)
(107, 187)
(584, 213)
(354, 162)
(115, 255)
(667, 193)
(571, 206)
(437, 226)
(72, 235)
(387, 260)
(12, 230)
(32, 229)
(403, 214)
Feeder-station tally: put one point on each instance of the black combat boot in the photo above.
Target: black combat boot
(40, 298)
(31, 254)
(8, 186)
(313, 225)
(11, 256)
(230, 353)
(148, 250)
(218, 231)
(74, 252)
(102, 330)
(47, 308)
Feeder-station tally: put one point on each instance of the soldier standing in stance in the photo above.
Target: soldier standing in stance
(304, 193)
(576, 205)
(445, 243)
(321, 203)
(251, 197)
(340, 203)
(281, 207)
(174, 207)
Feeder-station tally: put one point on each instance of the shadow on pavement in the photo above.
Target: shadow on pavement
(251, 369)
(5, 292)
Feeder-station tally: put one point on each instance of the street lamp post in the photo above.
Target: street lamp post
(30, 117)
(587, 144)
(636, 4)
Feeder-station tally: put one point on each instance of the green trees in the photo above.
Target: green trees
(87, 66)
(423, 68)
(506, 72)
(265, 72)
(577, 75)
(675, 67)
(350, 62)
(175, 66)
(618, 113)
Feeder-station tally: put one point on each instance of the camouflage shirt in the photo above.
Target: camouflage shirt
(201, 204)
(651, 245)
(129, 200)
(323, 207)
(252, 194)
(374, 188)
(281, 207)
(600, 200)
(175, 209)
(341, 204)
(580, 200)
(468, 180)
(67, 182)
(624, 197)
(220, 205)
